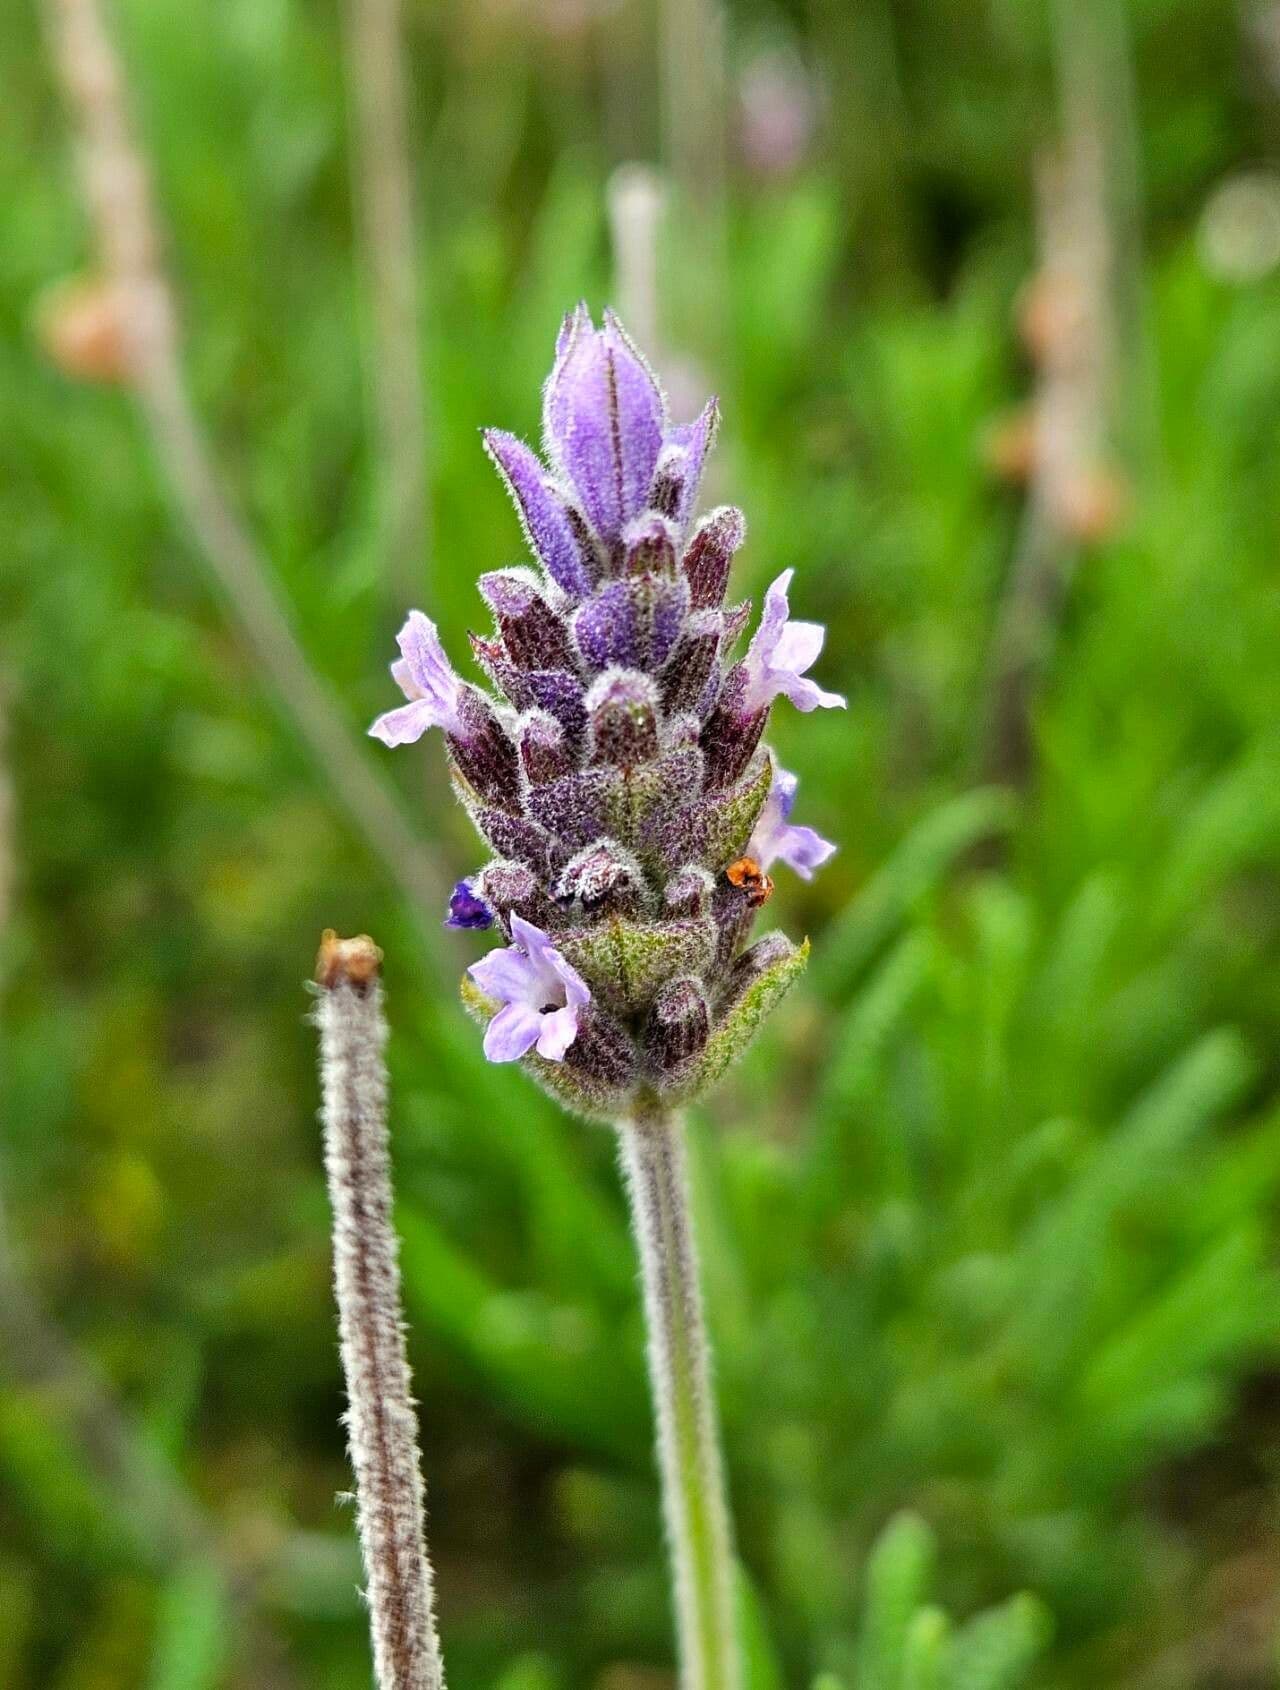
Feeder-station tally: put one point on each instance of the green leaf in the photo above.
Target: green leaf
(193, 1630)
(996, 1650)
(899, 1569)
(761, 1667)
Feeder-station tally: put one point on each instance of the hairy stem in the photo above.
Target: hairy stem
(381, 1418)
(697, 1515)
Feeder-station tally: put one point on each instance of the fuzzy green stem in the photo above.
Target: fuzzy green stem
(697, 1515)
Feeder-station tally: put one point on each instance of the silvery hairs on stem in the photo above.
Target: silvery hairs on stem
(616, 771)
(381, 1419)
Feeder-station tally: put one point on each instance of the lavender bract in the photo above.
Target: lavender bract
(619, 771)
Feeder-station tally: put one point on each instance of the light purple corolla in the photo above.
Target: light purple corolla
(776, 840)
(781, 652)
(426, 677)
(540, 992)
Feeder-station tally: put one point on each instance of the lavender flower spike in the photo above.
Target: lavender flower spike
(603, 416)
(540, 992)
(776, 840)
(781, 652)
(614, 765)
(426, 677)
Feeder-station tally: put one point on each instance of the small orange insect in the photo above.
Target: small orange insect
(747, 875)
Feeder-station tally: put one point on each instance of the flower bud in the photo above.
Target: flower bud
(533, 635)
(467, 909)
(677, 1026)
(695, 440)
(710, 553)
(603, 879)
(692, 663)
(689, 892)
(635, 622)
(603, 418)
(732, 732)
(579, 808)
(513, 889)
(556, 534)
(651, 543)
(544, 754)
(483, 752)
(622, 711)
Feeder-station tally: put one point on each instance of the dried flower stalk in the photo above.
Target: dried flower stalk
(381, 1418)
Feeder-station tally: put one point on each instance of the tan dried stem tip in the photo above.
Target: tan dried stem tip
(357, 961)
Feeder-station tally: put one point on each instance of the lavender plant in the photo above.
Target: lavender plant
(618, 774)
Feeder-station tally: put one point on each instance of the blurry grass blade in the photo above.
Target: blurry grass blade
(1061, 1259)
(919, 863)
(997, 1650)
(924, 1653)
(761, 1667)
(899, 1570)
(555, 1369)
(193, 1631)
(858, 1041)
(1235, 823)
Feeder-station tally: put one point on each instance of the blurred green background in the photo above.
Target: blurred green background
(989, 1218)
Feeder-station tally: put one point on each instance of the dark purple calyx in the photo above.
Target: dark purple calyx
(622, 710)
(468, 909)
(533, 636)
(710, 555)
(677, 1025)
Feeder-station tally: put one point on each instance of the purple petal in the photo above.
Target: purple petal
(774, 840)
(603, 419)
(405, 725)
(780, 652)
(576, 991)
(799, 646)
(773, 616)
(424, 659)
(426, 677)
(803, 849)
(807, 695)
(507, 974)
(544, 516)
(513, 1031)
(558, 1031)
(783, 795)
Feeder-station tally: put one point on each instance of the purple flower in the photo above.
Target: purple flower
(540, 993)
(781, 652)
(775, 840)
(425, 676)
(603, 418)
(467, 908)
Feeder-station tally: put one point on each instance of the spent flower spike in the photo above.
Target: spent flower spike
(618, 773)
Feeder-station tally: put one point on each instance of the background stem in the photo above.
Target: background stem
(697, 1515)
